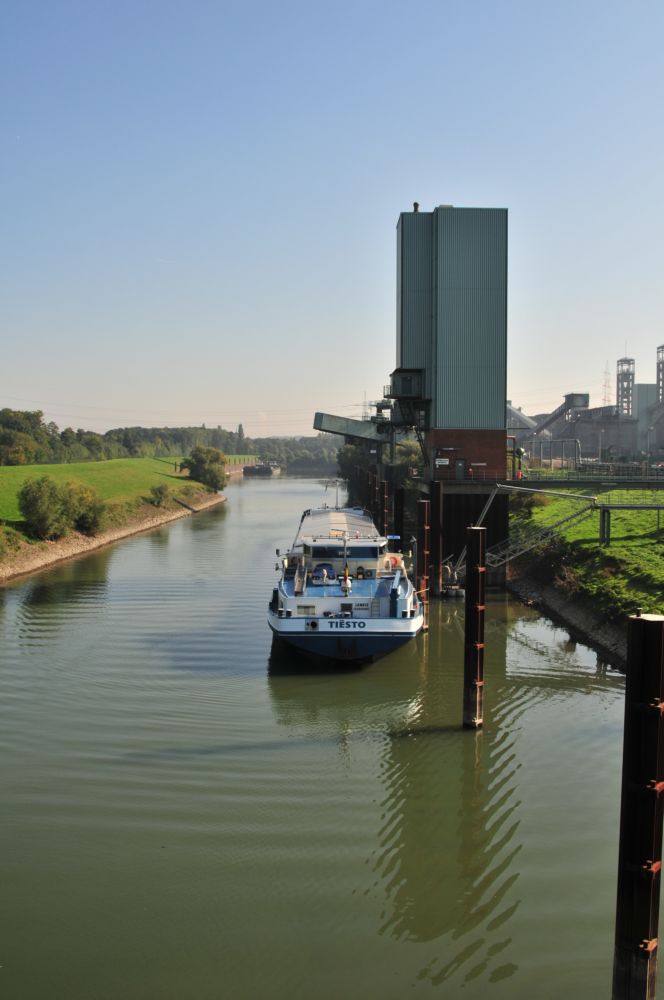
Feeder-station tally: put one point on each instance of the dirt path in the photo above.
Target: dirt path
(31, 558)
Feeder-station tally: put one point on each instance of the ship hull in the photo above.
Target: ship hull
(361, 641)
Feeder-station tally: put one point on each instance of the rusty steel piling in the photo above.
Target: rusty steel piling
(422, 569)
(436, 495)
(384, 508)
(398, 523)
(374, 504)
(641, 813)
(473, 659)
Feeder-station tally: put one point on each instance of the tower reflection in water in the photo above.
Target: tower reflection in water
(449, 841)
(447, 857)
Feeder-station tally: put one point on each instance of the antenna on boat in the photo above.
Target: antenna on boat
(336, 491)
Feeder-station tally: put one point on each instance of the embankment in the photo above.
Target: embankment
(608, 638)
(30, 558)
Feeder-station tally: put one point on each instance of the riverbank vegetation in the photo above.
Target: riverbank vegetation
(52, 510)
(118, 480)
(206, 465)
(616, 579)
(47, 502)
(26, 439)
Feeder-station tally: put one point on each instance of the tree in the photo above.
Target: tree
(206, 465)
(43, 505)
(50, 510)
(159, 494)
(85, 510)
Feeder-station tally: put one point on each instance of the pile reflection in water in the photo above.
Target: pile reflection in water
(200, 815)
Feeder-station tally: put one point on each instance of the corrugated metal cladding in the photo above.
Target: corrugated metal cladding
(415, 292)
(452, 311)
(471, 366)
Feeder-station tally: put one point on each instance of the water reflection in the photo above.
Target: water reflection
(322, 814)
(61, 595)
(346, 700)
(447, 847)
(209, 524)
(160, 537)
(447, 855)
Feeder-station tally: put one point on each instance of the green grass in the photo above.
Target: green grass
(118, 481)
(628, 573)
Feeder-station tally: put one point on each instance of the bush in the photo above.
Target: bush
(206, 465)
(50, 511)
(159, 494)
(86, 512)
(43, 506)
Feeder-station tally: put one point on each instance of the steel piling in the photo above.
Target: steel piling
(473, 660)
(422, 569)
(641, 813)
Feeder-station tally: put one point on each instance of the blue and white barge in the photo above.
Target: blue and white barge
(342, 594)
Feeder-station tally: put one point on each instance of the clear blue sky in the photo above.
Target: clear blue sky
(200, 198)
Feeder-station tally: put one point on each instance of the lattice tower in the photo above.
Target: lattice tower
(606, 387)
(625, 386)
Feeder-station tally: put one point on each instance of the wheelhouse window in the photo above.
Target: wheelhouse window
(327, 551)
(362, 552)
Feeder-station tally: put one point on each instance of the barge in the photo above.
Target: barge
(342, 594)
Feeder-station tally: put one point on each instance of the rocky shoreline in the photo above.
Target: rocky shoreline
(608, 639)
(32, 558)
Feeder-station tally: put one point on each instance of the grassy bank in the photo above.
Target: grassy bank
(123, 484)
(618, 578)
(118, 481)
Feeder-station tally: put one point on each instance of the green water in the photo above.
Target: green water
(184, 816)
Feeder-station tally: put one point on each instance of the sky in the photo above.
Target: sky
(199, 199)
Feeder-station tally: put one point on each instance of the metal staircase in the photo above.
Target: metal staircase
(525, 540)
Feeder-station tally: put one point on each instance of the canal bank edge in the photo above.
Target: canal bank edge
(608, 639)
(33, 558)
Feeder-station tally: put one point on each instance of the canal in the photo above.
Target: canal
(186, 816)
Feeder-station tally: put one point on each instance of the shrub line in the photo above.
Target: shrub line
(33, 558)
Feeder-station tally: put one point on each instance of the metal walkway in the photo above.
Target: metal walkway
(522, 541)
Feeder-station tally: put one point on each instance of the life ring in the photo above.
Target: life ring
(393, 562)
